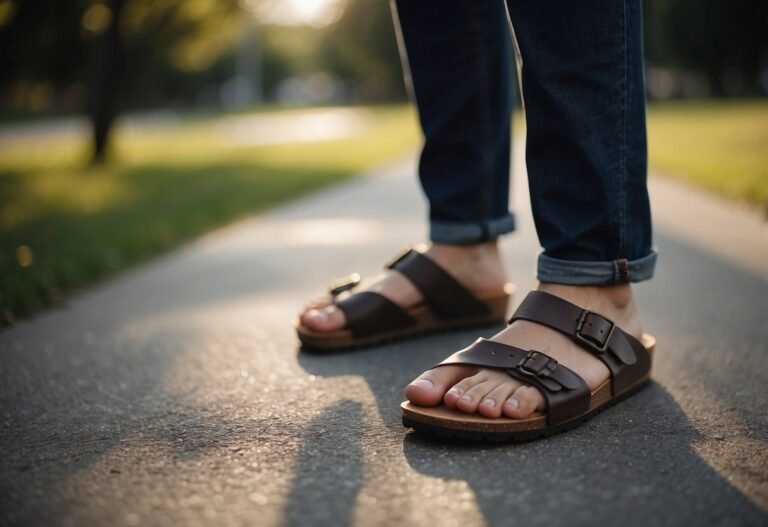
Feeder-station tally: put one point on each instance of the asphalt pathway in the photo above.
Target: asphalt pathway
(176, 394)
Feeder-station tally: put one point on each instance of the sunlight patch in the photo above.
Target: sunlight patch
(292, 127)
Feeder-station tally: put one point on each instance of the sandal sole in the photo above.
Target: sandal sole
(517, 437)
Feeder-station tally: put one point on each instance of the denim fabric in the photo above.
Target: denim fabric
(583, 90)
(595, 273)
(470, 232)
(460, 58)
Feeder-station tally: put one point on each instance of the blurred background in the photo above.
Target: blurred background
(129, 126)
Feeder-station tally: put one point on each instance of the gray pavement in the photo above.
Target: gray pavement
(176, 394)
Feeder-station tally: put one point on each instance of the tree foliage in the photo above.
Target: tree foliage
(120, 51)
(361, 47)
(726, 42)
(127, 54)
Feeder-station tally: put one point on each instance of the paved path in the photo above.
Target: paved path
(234, 130)
(176, 395)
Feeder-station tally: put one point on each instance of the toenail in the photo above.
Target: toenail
(320, 316)
(490, 403)
(466, 398)
(455, 391)
(423, 383)
(514, 403)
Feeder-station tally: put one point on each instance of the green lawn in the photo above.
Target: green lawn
(721, 146)
(63, 226)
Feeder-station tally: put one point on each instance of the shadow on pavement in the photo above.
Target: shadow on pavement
(81, 432)
(388, 369)
(710, 320)
(633, 464)
(329, 469)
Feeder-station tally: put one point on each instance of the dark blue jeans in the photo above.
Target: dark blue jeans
(583, 91)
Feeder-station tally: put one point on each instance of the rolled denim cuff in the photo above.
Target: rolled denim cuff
(471, 232)
(620, 271)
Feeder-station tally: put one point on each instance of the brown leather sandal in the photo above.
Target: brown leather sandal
(373, 319)
(570, 402)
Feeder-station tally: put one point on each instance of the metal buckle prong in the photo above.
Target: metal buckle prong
(345, 284)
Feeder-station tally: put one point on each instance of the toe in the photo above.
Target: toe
(317, 303)
(492, 404)
(460, 389)
(329, 318)
(472, 397)
(523, 402)
(430, 387)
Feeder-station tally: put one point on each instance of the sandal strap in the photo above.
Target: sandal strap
(566, 393)
(447, 298)
(368, 313)
(623, 354)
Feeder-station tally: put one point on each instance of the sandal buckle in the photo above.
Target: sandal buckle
(537, 364)
(399, 257)
(600, 345)
(344, 284)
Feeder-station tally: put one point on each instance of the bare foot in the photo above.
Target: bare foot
(477, 267)
(493, 393)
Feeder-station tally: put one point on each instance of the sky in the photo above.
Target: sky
(297, 12)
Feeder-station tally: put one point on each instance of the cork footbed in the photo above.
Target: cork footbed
(426, 322)
(455, 423)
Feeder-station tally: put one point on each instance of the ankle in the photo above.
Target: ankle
(475, 251)
(618, 296)
(478, 267)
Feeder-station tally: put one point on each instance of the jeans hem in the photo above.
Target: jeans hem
(619, 271)
(465, 233)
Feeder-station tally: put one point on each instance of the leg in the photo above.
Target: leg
(459, 57)
(584, 97)
(582, 77)
(460, 61)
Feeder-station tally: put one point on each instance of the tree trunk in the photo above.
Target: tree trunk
(108, 67)
(715, 78)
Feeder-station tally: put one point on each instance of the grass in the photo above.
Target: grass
(63, 226)
(721, 146)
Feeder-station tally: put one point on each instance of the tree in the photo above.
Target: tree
(362, 47)
(719, 40)
(117, 48)
(109, 64)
